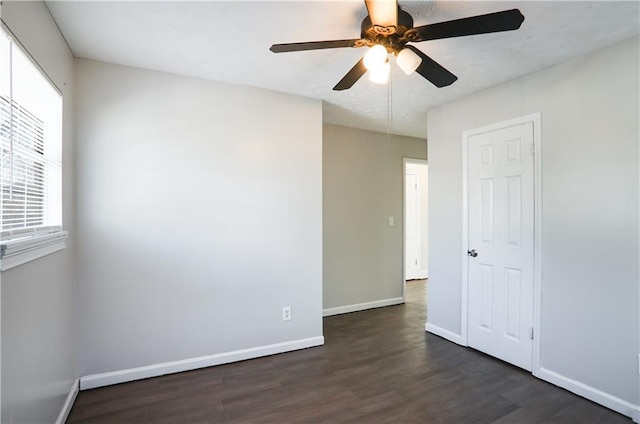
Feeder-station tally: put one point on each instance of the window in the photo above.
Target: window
(30, 159)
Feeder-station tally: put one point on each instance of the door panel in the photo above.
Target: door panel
(500, 280)
(486, 307)
(513, 302)
(486, 207)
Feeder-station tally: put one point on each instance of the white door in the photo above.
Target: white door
(501, 234)
(412, 228)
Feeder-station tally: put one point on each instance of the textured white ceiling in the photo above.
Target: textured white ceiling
(229, 41)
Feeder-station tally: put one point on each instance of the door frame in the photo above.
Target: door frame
(406, 161)
(536, 120)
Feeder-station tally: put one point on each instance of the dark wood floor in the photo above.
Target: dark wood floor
(377, 366)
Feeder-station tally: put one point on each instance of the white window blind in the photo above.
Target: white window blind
(24, 171)
(31, 153)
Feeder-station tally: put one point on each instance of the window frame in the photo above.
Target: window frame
(21, 245)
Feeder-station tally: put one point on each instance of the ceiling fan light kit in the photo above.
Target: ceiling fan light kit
(375, 57)
(380, 73)
(408, 61)
(389, 30)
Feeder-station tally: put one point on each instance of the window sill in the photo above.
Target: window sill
(21, 250)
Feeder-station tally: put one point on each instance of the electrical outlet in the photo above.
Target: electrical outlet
(286, 313)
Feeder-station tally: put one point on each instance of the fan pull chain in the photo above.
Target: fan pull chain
(389, 105)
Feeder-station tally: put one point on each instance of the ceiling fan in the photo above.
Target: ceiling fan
(389, 30)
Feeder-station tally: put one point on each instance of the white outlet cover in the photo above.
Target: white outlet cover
(286, 313)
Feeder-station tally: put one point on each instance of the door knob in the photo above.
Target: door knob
(472, 253)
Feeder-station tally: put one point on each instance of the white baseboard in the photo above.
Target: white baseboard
(591, 393)
(68, 404)
(362, 306)
(155, 370)
(423, 273)
(445, 334)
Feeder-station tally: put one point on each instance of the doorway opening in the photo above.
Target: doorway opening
(416, 230)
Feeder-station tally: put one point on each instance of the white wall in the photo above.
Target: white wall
(422, 172)
(199, 217)
(38, 298)
(590, 191)
(362, 188)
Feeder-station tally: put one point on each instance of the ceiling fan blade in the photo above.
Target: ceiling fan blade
(313, 45)
(432, 70)
(384, 15)
(506, 20)
(352, 76)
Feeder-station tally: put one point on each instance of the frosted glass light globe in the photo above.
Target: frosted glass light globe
(380, 74)
(408, 61)
(376, 56)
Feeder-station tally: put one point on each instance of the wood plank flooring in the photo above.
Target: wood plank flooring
(377, 366)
